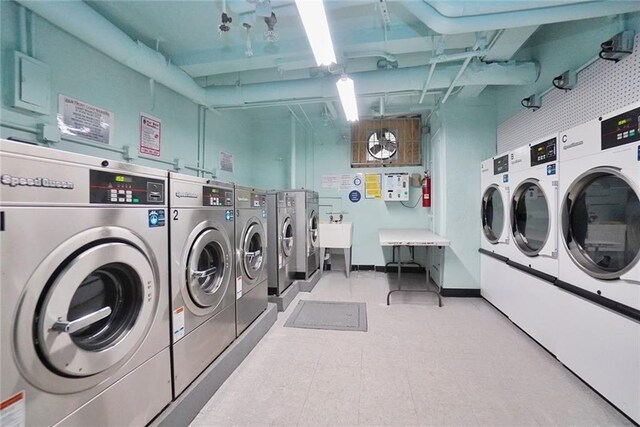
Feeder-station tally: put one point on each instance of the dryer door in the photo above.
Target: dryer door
(96, 310)
(287, 237)
(253, 249)
(492, 214)
(530, 217)
(313, 229)
(208, 268)
(601, 223)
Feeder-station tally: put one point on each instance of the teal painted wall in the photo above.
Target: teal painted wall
(464, 135)
(81, 72)
(557, 48)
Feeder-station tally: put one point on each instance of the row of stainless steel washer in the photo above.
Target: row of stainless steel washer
(121, 284)
(561, 248)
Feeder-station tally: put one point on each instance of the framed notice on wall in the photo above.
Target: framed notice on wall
(226, 161)
(150, 135)
(372, 186)
(84, 120)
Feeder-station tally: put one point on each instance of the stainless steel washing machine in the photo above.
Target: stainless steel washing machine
(281, 209)
(203, 276)
(251, 255)
(306, 230)
(84, 295)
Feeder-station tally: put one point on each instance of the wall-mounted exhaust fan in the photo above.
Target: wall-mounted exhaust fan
(382, 144)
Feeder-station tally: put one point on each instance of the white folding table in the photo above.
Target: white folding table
(410, 237)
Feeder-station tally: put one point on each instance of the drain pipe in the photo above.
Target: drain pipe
(22, 17)
(522, 18)
(293, 151)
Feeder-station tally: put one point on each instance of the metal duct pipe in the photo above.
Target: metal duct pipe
(83, 22)
(379, 81)
(80, 20)
(522, 18)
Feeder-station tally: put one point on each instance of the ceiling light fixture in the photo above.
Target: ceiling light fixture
(314, 20)
(348, 98)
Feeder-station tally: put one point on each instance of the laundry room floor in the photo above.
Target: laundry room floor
(418, 364)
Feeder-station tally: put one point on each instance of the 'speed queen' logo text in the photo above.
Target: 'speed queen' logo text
(16, 181)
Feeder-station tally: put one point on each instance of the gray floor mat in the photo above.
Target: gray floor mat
(336, 316)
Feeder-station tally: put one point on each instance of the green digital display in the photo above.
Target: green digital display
(123, 178)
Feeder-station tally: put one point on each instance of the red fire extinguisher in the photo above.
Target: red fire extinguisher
(426, 190)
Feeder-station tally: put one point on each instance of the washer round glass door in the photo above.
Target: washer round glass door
(287, 237)
(313, 229)
(492, 214)
(208, 268)
(253, 250)
(96, 310)
(601, 223)
(530, 220)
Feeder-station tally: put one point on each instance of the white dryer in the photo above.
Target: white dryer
(533, 243)
(202, 274)
(599, 256)
(494, 238)
(84, 295)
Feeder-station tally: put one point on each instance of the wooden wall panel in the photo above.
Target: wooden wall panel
(407, 131)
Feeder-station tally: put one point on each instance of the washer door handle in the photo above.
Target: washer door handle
(252, 255)
(204, 273)
(83, 322)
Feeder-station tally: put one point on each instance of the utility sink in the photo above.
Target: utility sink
(336, 235)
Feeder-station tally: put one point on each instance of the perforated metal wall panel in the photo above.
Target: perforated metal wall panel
(603, 86)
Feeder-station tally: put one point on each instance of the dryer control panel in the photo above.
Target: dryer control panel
(119, 189)
(216, 196)
(621, 129)
(543, 152)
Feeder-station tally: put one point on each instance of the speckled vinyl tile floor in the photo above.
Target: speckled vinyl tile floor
(462, 364)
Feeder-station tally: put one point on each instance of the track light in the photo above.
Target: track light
(314, 20)
(348, 98)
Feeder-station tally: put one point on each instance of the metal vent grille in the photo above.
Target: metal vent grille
(603, 86)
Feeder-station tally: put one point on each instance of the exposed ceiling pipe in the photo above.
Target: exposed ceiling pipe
(379, 81)
(463, 68)
(80, 20)
(495, 21)
(427, 82)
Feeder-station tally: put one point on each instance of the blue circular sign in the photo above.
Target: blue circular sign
(355, 196)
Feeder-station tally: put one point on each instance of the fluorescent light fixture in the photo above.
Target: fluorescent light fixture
(315, 24)
(348, 98)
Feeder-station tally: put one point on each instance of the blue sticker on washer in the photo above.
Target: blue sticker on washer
(228, 215)
(264, 213)
(156, 217)
(551, 169)
(505, 178)
(639, 153)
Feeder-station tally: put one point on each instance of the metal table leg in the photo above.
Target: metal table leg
(415, 290)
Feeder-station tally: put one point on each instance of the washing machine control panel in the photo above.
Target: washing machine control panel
(216, 196)
(621, 129)
(123, 189)
(543, 152)
(258, 200)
